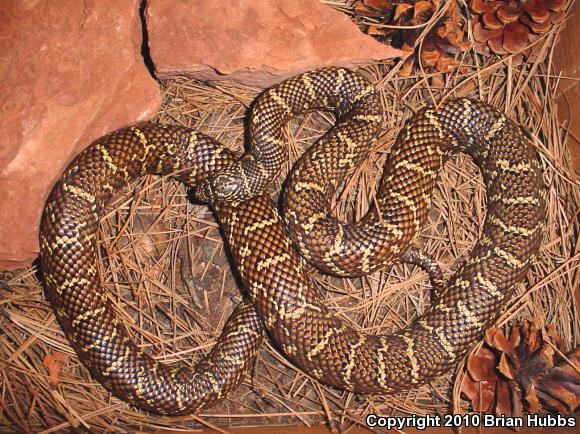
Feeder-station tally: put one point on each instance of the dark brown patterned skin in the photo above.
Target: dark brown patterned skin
(68, 254)
(69, 245)
(348, 95)
(332, 351)
(271, 270)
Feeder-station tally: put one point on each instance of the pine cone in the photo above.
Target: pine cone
(525, 371)
(439, 47)
(506, 27)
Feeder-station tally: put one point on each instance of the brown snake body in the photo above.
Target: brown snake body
(288, 304)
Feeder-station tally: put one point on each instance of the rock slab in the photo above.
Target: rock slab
(254, 42)
(70, 72)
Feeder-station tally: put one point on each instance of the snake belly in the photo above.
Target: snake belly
(293, 310)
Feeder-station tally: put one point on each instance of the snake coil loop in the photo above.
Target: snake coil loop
(283, 299)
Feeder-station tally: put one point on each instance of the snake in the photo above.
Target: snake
(269, 250)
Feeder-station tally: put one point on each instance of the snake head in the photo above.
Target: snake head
(223, 188)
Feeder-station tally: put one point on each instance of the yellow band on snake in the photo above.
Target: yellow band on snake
(282, 295)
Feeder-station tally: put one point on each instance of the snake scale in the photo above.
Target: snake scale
(282, 298)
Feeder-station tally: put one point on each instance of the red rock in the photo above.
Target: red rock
(70, 72)
(256, 43)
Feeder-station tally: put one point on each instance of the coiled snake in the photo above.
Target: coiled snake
(282, 297)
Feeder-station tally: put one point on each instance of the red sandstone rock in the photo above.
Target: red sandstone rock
(70, 72)
(254, 42)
